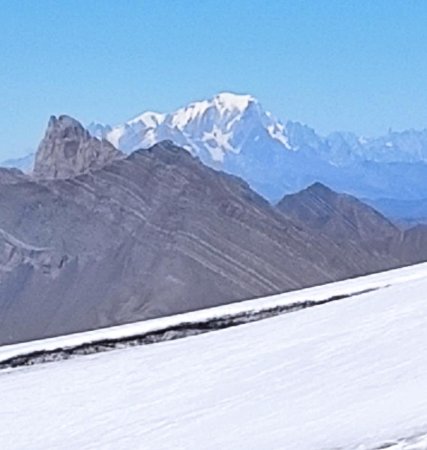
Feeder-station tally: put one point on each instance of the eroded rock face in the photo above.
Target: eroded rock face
(68, 149)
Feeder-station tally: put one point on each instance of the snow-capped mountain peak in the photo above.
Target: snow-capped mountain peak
(210, 129)
(229, 101)
(223, 125)
(148, 118)
(185, 115)
(224, 107)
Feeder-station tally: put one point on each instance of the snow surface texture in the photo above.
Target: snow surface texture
(350, 374)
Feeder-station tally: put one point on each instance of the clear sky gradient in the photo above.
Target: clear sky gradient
(357, 65)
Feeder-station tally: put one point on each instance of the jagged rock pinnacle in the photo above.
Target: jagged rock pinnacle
(68, 149)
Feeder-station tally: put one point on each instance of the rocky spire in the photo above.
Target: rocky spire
(68, 149)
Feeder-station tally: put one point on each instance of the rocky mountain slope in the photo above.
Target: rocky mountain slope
(414, 243)
(339, 216)
(10, 176)
(149, 235)
(344, 218)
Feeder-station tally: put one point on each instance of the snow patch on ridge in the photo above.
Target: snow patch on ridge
(228, 101)
(149, 119)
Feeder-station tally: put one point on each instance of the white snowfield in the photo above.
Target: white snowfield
(350, 374)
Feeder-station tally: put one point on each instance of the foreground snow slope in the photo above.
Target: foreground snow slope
(341, 375)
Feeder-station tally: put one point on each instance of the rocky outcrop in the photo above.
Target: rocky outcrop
(68, 149)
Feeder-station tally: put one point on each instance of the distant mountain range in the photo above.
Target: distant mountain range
(25, 163)
(229, 123)
(235, 134)
(93, 238)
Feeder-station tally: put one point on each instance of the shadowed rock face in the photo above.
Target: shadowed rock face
(344, 218)
(339, 216)
(68, 149)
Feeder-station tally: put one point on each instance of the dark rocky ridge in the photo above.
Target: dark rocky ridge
(154, 234)
(344, 218)
(339, 216)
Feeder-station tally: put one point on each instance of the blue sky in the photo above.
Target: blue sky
(357, 65)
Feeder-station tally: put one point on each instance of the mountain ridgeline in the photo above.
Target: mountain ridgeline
(235, 134)
(93, 238)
